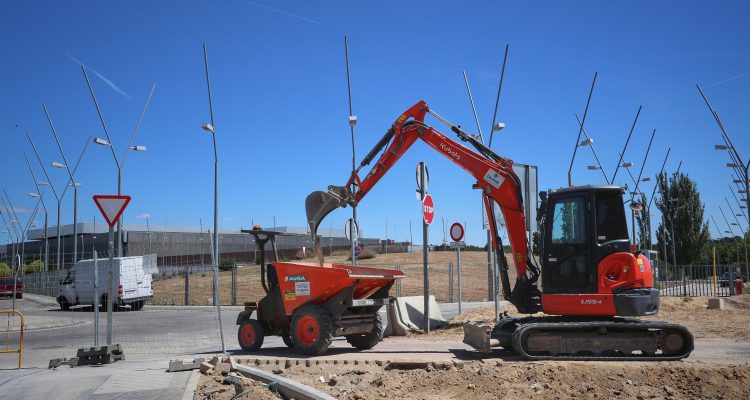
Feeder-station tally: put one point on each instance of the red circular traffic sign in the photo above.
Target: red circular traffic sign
(428, 209)
(457, 232)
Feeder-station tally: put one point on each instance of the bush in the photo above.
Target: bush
(33, 266)
(5, 269)
(227, 264)
(365, 254)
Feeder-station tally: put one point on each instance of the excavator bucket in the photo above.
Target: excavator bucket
(319, 204)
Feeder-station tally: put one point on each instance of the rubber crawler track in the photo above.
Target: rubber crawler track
(525, 330)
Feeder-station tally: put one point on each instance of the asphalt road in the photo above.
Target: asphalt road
(155, 331)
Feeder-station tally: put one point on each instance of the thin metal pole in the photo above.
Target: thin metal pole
(458, 271)
(497, 100)
(624, 149)
(425, 254)
(110, 290)
(216, 253)
(580, 130)
(354, 161)
(96, 300)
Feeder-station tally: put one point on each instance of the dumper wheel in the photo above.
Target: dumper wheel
(368, 340)
(312, 330)
(287, 338)
(250, 335)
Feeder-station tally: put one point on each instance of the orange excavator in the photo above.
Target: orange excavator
(591, 279)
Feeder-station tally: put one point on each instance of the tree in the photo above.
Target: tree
(644, 224)
(681, 206)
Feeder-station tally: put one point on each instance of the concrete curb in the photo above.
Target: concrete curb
(286, 386)
(40, 299)
(192, 384)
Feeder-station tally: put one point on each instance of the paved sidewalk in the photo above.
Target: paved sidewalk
(130, 380)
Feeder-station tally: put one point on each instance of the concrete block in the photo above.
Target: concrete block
(181, 365)
(716, 304)
(411, 312)
(206, 367)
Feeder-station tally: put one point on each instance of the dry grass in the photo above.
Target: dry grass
(473, 276)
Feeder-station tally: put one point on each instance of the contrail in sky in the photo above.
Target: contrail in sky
(727, 80)
(288, 14)
(102, 77)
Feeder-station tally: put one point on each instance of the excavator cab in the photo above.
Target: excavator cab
(582, 226)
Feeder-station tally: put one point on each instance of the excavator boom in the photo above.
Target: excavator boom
(494, 175)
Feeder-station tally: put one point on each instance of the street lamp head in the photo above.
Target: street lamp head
(56, 164)
(101, 142)
(42, 183)
(721, 147)
(352, 120)
(75, 185)
(731, 165)
(636, 206)
(646, 179)
(138, 148)
(592, 167)
(627, 164)
(208, 127)
(734, 223)
(587, 142)
(32, 194)
(498, 127)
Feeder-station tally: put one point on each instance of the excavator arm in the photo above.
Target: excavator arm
(494, 175)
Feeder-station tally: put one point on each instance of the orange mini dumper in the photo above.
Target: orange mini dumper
(307, 304)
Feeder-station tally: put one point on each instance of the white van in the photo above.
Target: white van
(131, 282)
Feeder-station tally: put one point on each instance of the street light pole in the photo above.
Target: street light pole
(39, 194)
(54, 192)
(108, 142)
(210, 128)
(744, 236)
(71, 174)
(580, 130)
(353, 231)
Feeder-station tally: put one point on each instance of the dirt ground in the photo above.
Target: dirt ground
(491, 379)
(171, 291)
(495, 378)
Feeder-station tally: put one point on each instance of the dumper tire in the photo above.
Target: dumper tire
(137, 305)
(364, 341)
(64, 305)
(312, 330)
(287, 338)
(250, 335)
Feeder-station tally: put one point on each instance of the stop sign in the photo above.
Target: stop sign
(428, 209)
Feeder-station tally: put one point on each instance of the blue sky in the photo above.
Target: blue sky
(280, 102)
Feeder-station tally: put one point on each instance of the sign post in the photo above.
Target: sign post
(428, 214)
(111, 208)
(457, 234)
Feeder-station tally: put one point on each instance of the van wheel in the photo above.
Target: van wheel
(138, 305)
(19, 295)
(64, 305)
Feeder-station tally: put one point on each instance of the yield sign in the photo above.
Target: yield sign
(111, 206)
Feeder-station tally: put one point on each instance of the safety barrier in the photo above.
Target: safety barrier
(19, 350)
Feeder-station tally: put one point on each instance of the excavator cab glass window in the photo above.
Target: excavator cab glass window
(565, 266)
(568, 225)
(610, 217)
